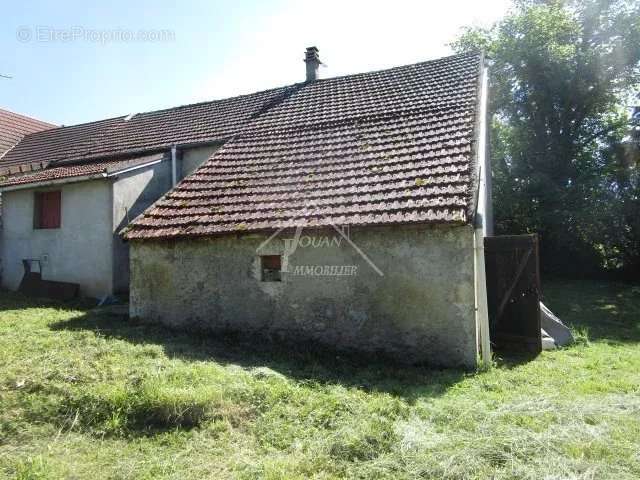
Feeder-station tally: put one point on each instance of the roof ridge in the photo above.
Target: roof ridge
(287, 86)
(204, 102)
(186, 105)
(59, 127)
(399, 67)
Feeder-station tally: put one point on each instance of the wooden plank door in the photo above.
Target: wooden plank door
(513, 292)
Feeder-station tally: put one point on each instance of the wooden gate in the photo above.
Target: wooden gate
(513, 292)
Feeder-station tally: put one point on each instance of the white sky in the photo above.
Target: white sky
(352, 37)
(219, 49)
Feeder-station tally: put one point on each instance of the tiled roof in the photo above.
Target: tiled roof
(14, 126)
(201, 122)
(387, 147)
(96, 168)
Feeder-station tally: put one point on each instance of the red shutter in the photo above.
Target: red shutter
(49, 204)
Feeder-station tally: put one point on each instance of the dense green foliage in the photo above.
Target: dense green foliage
(562, 74)
(89, 394)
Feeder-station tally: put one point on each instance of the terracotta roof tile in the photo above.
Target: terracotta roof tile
(202, 122)
(80, 170)
(388, 147)
(13, 127)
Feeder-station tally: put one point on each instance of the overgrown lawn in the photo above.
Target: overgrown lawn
(85, 393)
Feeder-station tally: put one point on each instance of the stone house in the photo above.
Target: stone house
(348, 211)
(68, 191)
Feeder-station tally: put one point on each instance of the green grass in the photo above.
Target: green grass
(86, 394)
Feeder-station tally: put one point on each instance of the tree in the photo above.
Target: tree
(624, 251)
(561, 73)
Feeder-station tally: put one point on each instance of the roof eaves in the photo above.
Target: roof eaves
(136, 165)
(138, 151)
(56, 181)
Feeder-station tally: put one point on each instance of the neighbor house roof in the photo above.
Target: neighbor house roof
(86, 170)
(14, 126)
(137, 133)
(379, 148)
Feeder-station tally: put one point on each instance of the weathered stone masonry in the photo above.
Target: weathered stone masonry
(420, 310)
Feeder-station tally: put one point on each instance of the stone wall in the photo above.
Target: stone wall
(404, 291)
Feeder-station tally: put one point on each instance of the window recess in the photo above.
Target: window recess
(271, 268)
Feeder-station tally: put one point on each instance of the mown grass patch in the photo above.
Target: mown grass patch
(85, 393)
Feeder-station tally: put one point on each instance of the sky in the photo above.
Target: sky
(76, 61)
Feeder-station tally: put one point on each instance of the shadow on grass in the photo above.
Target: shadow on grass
(603, 311)
(595, 311)
(302, 361)
(511, 359)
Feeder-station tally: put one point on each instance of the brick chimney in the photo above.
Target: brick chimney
(313, 62)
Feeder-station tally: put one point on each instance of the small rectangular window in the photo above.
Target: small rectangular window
(46, 212)
(271, 266)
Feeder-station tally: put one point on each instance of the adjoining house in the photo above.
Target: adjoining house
(349, 211)
(69, 191)
(13, 127)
